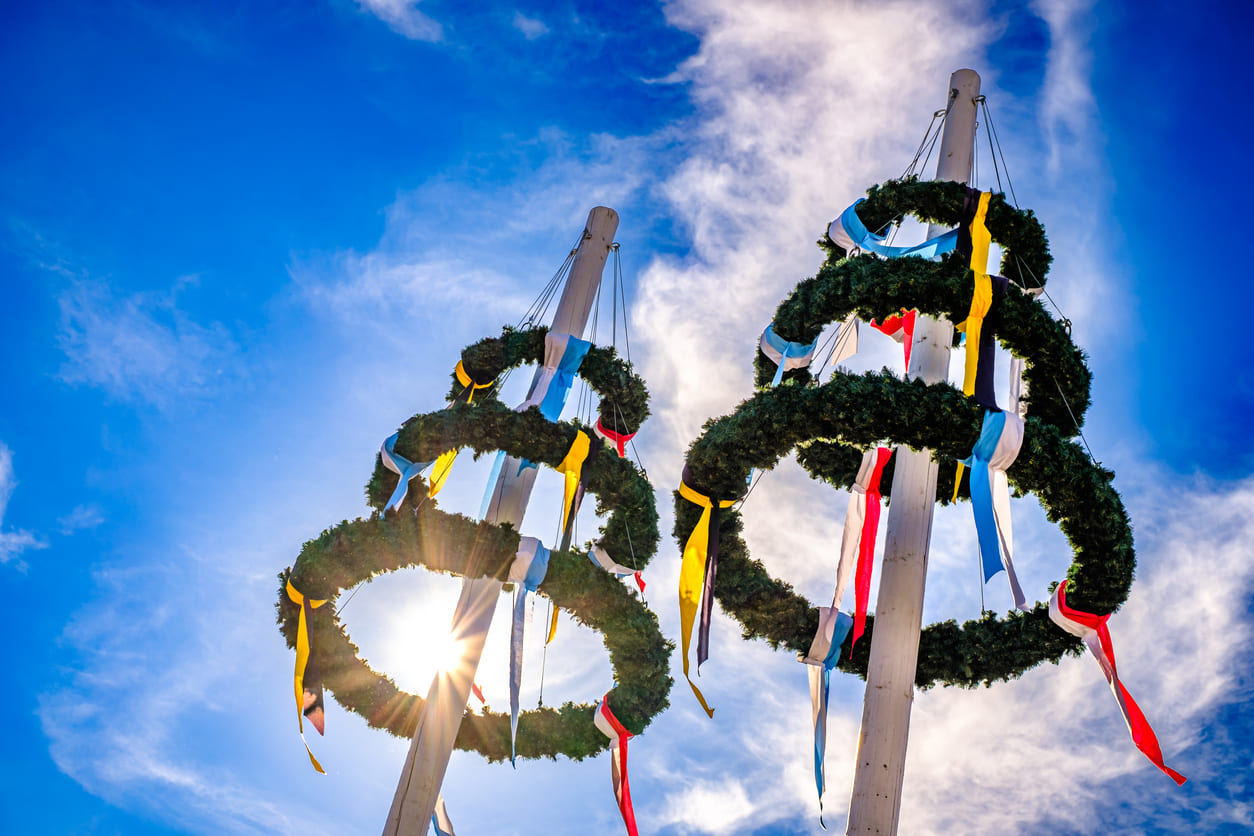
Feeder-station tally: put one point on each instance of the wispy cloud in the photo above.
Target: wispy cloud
(1068, 105)
(403, 17)
(530, 27)
(141, 346)
(12, 543)
(83, 517)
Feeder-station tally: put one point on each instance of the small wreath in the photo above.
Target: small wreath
(426, 536)
(859, 410)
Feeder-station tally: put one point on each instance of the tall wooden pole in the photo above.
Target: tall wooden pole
(429, 752)
(876, 801)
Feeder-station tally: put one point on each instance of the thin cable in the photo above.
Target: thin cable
(340, 609)
(544, 659)
(993, 130)
(991, 152)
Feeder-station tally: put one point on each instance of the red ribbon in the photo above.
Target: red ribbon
(900, 328)
(620, 439)
(618, 766)
(1142, 735)
(866, 545)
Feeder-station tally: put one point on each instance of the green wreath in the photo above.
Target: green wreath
(426, 536)
(830, 425)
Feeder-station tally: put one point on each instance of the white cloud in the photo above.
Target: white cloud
(140, 347)
(81, 518)
(530, 27)
(403, 18)
(1068, 106)
(12, 543)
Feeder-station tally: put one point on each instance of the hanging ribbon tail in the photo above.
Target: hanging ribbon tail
(439, 472)
(1095, 633)
(857, 543)
(786, 355)
(617, 732)
(572, 466)
(619, 440)
(834, 625)
(846, 340)
(531, 564)
(602, 559)
(307, 701)
(692, 577)
(850, 234)
(552, 627)
(402, 467)
(441, 824)
(707, 589)
(478, 692)
(1001, 438)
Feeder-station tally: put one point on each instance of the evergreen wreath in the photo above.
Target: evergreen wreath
(830, 425)
(426, 536)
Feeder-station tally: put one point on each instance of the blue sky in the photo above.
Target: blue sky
(240, 243)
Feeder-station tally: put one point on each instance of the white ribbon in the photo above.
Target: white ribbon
(527, 572)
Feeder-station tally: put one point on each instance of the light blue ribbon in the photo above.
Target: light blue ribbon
(864, 239)
(535, 576)
(786, 349)
(563, 378)
(982, 492)
(404, 467)
(839, 631)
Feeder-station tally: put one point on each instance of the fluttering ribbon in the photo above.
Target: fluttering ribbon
(696, 579)
(619, 440)
(784, 354)
(824, 652)
(973, 241)
(851, 234)
(601, 558)
(1001, 436)
(527, 572)
(617, 732)
(407, 470)
(562, 357)
(441, 825)
(572, 467)
(901, 328)
(857, 542)
(1093, 631)
(307, 679)
(469, 385)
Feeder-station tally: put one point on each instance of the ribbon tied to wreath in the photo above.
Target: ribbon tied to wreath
(824, 652)
(696, 578)
(857, 542)
(1001, 436)
(308, 676)
(610, 726)
(1093, 631)
(851, 234)
(619, 440)
(527, 572)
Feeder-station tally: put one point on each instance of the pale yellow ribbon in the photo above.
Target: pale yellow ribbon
(981, 301)
(302, 659)
(692, 577)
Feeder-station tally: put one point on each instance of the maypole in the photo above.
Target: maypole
(881, 760)
(432, 744)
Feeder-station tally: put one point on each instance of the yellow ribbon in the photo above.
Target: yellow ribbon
(467, 382)
(981, 301)
(302, 659)
(439, 472)
(572, 466)
(692, 577)
(552, 626)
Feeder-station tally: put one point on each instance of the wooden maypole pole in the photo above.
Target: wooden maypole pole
(875, 805)
(432, 745)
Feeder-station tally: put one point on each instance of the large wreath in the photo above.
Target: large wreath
(830, 425)
(421, 534)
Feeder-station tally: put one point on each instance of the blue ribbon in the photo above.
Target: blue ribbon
(864, 239)
(839, 631)
(531, 582)
(786, 349)
(563, 378)
(982, 493)
(407, 469)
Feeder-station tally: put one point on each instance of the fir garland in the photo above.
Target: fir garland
(830, 425)
(853, 412)
(426, 536)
